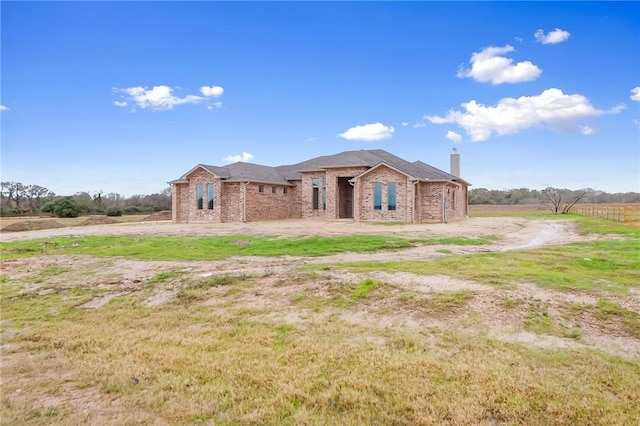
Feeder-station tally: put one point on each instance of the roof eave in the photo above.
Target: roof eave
(380, 165)
(199, 166)
(345, 166)
(267, 182)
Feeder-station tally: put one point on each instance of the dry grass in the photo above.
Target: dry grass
(249, 350)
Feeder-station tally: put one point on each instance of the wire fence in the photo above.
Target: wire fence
(618, 213)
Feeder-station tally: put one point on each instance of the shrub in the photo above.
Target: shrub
(138, 210)
(48, 207)
(114, 211)
(66, 207)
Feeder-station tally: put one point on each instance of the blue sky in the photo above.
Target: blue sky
(125, 96)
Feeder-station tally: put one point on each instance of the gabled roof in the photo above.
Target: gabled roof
(282, 175)
(243, 172)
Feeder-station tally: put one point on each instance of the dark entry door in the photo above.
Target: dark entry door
(345, 198)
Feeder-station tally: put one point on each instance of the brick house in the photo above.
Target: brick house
(365, 185)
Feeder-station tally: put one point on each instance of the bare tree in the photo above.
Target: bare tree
(561, 200)
(35, 193)
(6, 194)
(97, 198)
(114, 199)
(19, 191)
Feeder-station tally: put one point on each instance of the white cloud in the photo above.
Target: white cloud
(551, 108)
(553, 37)
(158, 97)
(489, 65)
(368, 132)
(587, 130)
(120, 103)
(616, 109)
(4, 108)
(213, 91)
(419, 124)
(216, 105)
(245, 157)
(405, 123)
(635, 94)
(453, 136)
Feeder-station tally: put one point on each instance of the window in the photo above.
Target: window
(284, 190)
(260, 188)
(315, 183)
(274, 189)
(377, 196)
(391, 196)
(210, 190)
(324, 194)
(199, 196)
(453, 199)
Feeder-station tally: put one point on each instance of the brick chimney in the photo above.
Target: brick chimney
(455, 163)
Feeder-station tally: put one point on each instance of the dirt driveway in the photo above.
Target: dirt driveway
(512, 232)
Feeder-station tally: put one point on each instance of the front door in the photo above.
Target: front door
(345, 198)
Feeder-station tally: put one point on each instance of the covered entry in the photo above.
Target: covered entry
(345, 198)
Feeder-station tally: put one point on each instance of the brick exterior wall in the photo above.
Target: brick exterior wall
(268, 205)
(431, 198)
(365, 198)
(179, 200)
(332, 192)
(238, 201)
(232, 202)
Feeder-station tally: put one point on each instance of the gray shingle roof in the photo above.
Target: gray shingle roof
(364, 158)
(248, 172)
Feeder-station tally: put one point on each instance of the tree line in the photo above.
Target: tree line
(548, 195)
(17, 198)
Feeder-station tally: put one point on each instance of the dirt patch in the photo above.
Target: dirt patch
(32, 225)
(163, 215)
(512, 232)
(97, 220)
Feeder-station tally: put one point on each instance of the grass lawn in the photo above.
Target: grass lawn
(305, 347)
(215, 248)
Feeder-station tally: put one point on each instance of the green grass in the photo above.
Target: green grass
(164, 276)
(364, 288)
(608, 311)
(607, 265)
(214, 248)
(589, 225)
